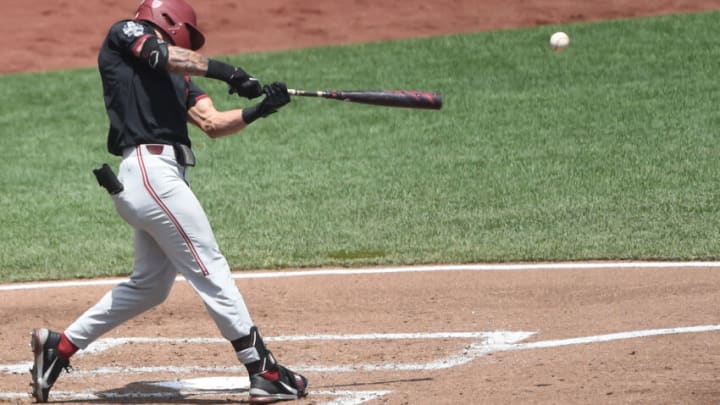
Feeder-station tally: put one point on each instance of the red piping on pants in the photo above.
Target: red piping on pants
(167, 212)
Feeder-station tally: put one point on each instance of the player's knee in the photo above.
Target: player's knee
(157, 296)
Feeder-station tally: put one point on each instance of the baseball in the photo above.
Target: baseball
(559, 41)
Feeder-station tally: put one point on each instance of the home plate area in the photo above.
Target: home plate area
(200, 369)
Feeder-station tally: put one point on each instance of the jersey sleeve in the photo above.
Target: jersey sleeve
(125, 35)
(195, 93)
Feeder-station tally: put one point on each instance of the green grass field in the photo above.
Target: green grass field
(605, 151)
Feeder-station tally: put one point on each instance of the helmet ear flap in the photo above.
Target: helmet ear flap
(197, 39)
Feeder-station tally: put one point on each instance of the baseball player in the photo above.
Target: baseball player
(146, 64)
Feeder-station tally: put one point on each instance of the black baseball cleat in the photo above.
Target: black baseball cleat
(48, 363)
(280, 385)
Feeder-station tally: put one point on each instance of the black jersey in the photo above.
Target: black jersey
(143, 105)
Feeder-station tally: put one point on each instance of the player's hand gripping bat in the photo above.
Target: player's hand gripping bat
(388, 98)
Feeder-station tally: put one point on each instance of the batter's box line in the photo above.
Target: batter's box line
(491, 342)
(474, 350)
(481, 342)
(102, 345)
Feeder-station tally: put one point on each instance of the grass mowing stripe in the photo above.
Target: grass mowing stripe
(603, 151)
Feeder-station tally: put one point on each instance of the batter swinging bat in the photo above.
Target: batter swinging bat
(388, 98)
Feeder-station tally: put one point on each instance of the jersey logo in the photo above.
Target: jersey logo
(133, 29)
(156, 4)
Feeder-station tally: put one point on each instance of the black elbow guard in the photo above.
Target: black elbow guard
(155, 53)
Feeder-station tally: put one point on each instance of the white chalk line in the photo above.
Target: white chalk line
(491, 342)
(609, 337)
(343, 397)
(231, 385)
(389, 270)
(108, 343)
(102, 345)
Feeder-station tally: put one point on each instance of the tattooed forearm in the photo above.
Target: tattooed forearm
(186, 62)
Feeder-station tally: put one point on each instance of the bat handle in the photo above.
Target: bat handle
(296, 92)
(306, 93)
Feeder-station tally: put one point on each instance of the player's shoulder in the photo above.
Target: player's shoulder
(129, 30)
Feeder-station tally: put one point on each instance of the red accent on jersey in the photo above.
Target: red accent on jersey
(137, 48)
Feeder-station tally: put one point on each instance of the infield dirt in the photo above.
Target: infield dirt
(45, 35)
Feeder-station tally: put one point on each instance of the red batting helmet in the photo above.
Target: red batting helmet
(176, 18)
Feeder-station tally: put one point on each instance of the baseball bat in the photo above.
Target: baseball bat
(387, 98)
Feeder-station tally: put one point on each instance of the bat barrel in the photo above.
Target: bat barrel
(396, 98)
(387, 98)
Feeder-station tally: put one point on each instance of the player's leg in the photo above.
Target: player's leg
(208, 273)
(191, 245)
(185, 235)
(269, 381)
(149, 285)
